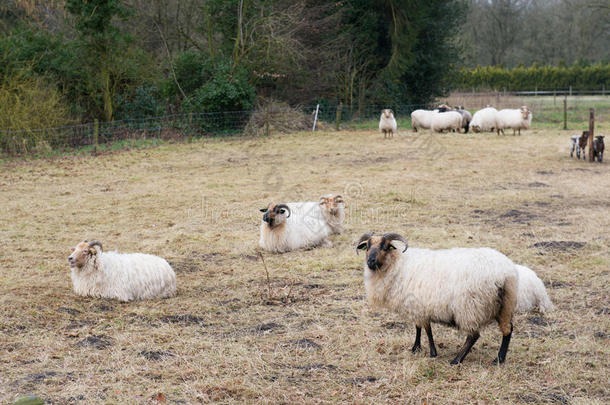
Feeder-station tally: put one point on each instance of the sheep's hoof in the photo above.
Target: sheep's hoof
(454, 362)
(433, 355)
(415, 349)
(497, 361)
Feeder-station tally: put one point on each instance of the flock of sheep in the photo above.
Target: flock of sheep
(445, 118)
(465, 288)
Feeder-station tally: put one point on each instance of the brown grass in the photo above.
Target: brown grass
(306, 334)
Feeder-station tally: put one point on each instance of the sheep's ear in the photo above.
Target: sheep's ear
(362, 246)
(92, 250)
(338, 199)
(263, 210)
(392, 247)
(323, 200)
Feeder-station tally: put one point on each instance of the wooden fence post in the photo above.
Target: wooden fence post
(591, 128)
(565, 112)
(315, 118)
(339, 108)
(96, 130)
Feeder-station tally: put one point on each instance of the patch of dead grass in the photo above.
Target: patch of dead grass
(305, 335)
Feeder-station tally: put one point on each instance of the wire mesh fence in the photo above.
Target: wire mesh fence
(548, 109)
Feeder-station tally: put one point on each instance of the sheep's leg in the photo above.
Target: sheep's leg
(431, 341)
(470, 341)
(504, 347)
(417, 345)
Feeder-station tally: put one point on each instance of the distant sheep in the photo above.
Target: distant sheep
(387, 123)
(292, 226)
(484, 120)
(126, 277)
(421, 119)
(446, 121)
(461, 287)
(531, 292)
(579, 143)
(598, 148)
(466, 117)
(517, 119)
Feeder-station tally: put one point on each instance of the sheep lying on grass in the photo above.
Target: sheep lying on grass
(291, 226)
(517, 119)
(463, 288)
(387, 123)
(531, 294)
(126, 277)
(333, 210)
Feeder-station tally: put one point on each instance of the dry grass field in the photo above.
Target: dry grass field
(308, 335)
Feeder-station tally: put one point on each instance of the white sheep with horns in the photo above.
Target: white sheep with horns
(291, 226)
(465, 288)
(121, 276)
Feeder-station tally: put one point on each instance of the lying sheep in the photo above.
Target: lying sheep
(517, 119)
(387, 123)
(598, 148)
(421, 119)
(126, 277)
(292, 226)
(333, 209)
(466, 117)
(531, 293)
(579, 143)
(445, 121)
(484, 120)
(463, 288)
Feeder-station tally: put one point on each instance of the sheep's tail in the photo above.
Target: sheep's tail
(508, 304)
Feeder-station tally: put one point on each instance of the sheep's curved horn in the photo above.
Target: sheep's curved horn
(395, 236)
(96, 243)
(363, 238)
(277, 207)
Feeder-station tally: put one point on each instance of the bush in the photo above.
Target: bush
(210, 85)
(579, 76)
(143, 102)
(27, 103)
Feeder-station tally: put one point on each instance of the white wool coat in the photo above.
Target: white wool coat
(484, 120)
(305, 228)
(126, 277)
(531, 292)
(458, 287)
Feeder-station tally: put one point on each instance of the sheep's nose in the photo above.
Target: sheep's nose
(70, 259)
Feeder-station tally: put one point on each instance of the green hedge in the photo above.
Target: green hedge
(593, 77)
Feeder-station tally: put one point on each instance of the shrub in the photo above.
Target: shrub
(27, 103)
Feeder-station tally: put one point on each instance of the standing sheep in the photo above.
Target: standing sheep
(579, 143)
(484, 120)
(387, 123)
(450, 120)
(460, 287)
(421, 119)
(126, 277)
(516, 119)
(466, 117)
(598, 148)
(531, 292)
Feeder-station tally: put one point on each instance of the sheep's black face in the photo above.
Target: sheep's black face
(380, 251)
(275, 215)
